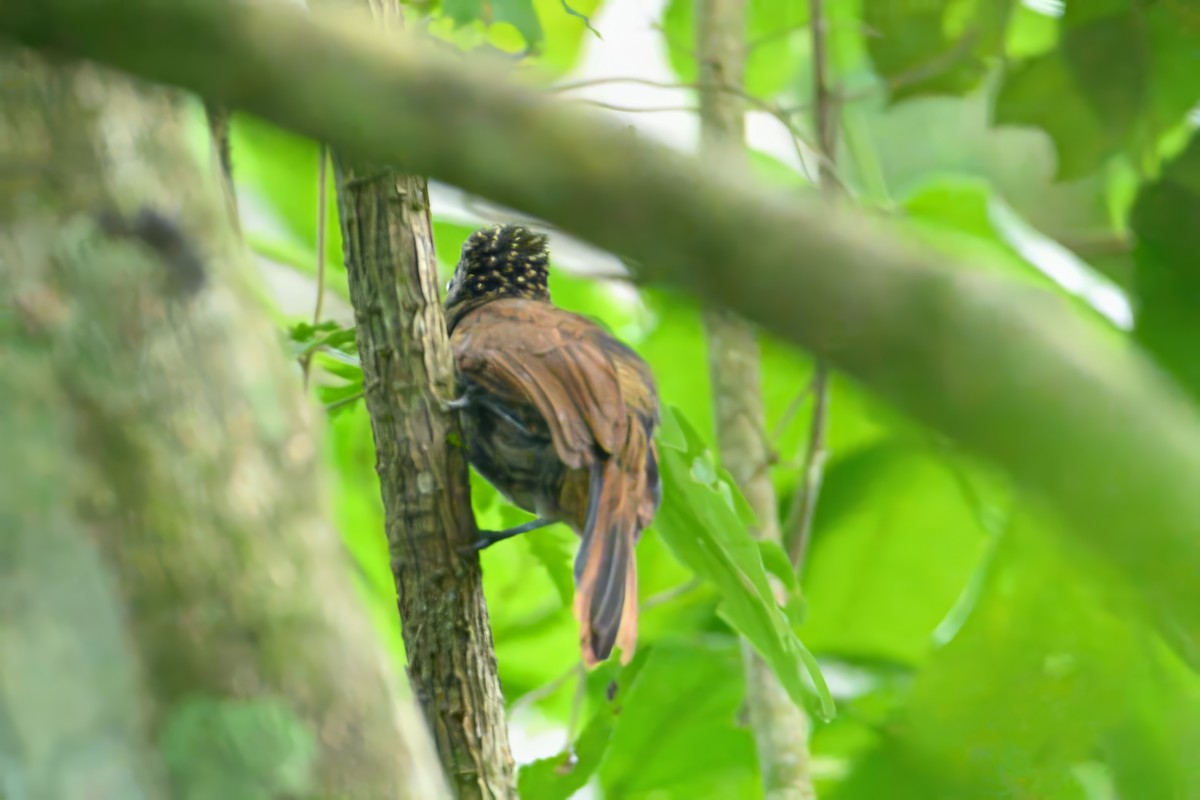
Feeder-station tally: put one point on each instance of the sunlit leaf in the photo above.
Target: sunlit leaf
(703, 530)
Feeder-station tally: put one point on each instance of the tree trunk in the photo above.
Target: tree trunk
(407, 375)
(178, 615)
(780, 728)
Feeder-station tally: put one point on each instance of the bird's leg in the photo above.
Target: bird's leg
(489, 538)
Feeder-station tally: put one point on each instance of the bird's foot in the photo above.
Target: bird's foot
(486, 539)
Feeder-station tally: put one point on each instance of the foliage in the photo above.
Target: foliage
(969, 652)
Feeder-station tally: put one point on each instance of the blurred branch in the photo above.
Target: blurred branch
(1008, 370)
(735, 363)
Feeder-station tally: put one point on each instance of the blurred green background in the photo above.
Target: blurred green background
(968, 651)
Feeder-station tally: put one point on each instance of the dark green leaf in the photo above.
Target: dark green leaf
(463, 11)
(1166, 219)
(1094, 104)
(1047, 657)
(938, 47)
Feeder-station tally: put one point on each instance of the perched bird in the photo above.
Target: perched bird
(560, 417)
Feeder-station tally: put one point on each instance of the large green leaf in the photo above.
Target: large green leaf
(1166, 221)
(677, 733)
(1042, 671)
(939, 47)
(700, 522)
(895, 541)
(1122, 76)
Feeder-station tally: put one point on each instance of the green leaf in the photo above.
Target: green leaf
(894, 542)
(463, 11)
(700, 525)
(776, 562)
(1094, 105)
(1048, 658)
(554, 548)
(522, 16)
(279, 170)
(1166, 220)
(677, 729)
(938, 47)
(561, 776)
(567, 25)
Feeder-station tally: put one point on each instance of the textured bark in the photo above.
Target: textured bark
(179, 619)
(1009, 371)
(408, 372)
(780, 727)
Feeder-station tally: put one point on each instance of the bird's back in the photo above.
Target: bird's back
(552, 393)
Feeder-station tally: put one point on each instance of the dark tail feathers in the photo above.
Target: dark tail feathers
(605, 568)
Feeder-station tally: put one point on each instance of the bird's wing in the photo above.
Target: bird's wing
(562, 364)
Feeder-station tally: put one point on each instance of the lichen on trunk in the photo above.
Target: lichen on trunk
(179, 619)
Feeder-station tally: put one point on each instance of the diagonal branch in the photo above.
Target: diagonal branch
(1008, 370)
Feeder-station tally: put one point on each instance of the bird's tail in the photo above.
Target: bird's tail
(606, 602)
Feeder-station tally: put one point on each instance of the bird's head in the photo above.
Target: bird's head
(503, 261)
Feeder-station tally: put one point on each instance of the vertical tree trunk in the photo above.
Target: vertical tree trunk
(178, 617)
(408, 374)
(780, 728)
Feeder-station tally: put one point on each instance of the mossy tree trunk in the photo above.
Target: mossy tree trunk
(178, 618)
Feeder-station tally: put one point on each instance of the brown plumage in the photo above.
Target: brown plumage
(560, 417)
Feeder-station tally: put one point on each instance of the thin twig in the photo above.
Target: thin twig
(633, 109)
(783, 117)
(322, 200)
(790, 412)
(798, 527)
(667, 595)
(345, 401)
(545, 690)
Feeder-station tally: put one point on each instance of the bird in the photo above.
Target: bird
(560, 416)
